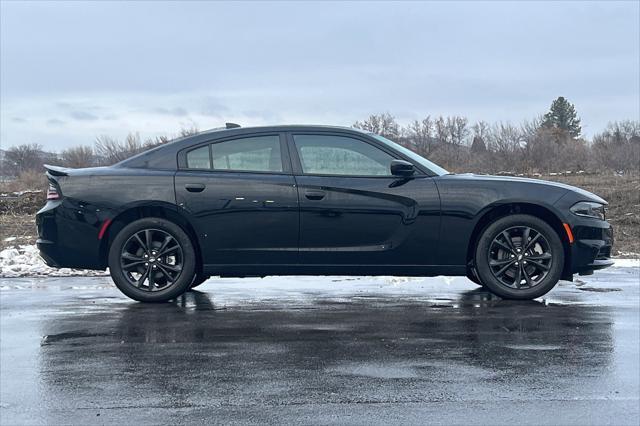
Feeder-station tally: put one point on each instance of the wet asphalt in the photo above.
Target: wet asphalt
(302, 350)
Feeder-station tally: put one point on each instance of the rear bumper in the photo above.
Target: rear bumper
(68, 236)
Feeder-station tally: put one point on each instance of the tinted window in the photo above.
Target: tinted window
(199, 158)
(337, 155)
(429, 165)
(257, 154)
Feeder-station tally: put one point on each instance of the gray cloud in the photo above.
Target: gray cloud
(55, 122)
(18, 120)
(212, 106)
(83, 115)
(176, 111)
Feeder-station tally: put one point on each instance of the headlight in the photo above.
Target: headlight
(589, 209)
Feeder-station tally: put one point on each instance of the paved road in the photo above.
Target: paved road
(309, 350)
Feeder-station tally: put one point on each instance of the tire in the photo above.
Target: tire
(473, 277)
(515, 270)
(140, 275)
(198, 279)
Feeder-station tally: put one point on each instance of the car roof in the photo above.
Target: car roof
(164, 156)
(277, 128)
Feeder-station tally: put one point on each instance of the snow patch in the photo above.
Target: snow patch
(25, 261)
(627, 263)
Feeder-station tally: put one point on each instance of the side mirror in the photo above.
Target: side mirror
(402, 168)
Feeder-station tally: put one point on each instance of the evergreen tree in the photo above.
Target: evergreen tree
(562, 115)
(478, 146)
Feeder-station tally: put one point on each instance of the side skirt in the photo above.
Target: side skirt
(325, 270)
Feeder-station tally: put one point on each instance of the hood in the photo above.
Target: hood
(588, 196)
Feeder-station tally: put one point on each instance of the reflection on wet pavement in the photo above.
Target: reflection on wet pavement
(304, 350)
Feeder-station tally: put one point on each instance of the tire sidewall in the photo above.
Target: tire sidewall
(183, 282)
(492, 231)
(199, 279)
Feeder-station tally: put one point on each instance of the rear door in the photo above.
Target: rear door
(353, 211)
(241, 196)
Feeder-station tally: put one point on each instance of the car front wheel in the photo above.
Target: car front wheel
(152, 260)
(519, 257)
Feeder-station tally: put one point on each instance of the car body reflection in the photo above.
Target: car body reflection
(193, 352)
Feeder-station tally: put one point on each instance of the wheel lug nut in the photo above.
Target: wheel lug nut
(516, 263)
(146, 264)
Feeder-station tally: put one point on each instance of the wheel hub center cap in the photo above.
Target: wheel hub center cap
(520, 257)
(152, 259)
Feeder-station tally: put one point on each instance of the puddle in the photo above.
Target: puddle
(53, 338)
(599, 289)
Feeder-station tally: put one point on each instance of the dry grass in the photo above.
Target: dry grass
(622, 193)
(27, 181)
(21, 227)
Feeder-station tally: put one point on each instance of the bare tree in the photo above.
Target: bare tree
(111, 151)
(381, 124)
(78, 157)
(189, 131)
(458, 129)
(22, 158)
(420, 136)
(617, 146)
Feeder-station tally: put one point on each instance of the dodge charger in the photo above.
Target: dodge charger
(313, 200)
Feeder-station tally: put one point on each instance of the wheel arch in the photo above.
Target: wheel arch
(139, 211)
(495, 212)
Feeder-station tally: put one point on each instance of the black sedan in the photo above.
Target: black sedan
(313, 200)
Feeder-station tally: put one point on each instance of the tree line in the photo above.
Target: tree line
(549, 143)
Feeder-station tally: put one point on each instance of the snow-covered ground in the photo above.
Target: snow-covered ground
(25, 261)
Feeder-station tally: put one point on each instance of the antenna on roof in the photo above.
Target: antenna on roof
(231, 125)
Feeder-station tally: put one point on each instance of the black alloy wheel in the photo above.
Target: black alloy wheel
(519, 257)
(152, 260)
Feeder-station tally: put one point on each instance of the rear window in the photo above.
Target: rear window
(199, 158)
(252, 154)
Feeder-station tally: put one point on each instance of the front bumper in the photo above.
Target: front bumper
(592, 247)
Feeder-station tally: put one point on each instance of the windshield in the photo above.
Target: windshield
(415, 157)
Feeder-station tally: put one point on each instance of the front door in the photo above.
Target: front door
(354, 212)
(242, 200)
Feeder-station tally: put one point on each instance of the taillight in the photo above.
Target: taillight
(52, 193)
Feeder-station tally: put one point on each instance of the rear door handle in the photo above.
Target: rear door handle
(314, 195)
(194, 187)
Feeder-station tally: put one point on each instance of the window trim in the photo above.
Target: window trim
(284, 154)
(297, 163)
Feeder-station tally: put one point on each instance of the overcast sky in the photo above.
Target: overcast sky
(72, 71)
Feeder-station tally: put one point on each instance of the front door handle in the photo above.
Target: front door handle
(194, 187)
(314, 195)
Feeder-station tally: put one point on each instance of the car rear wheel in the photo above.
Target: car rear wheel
(472, 275)
(519, 257)
(152, 260)
(198, 279)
